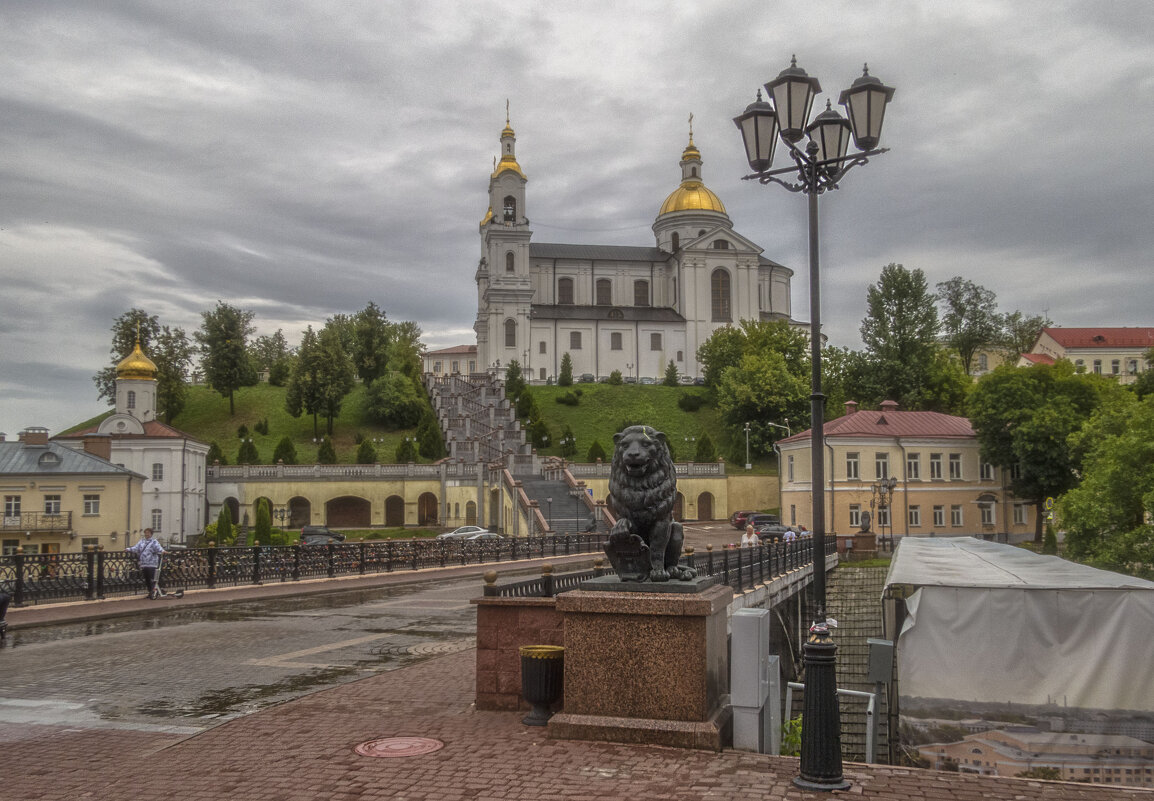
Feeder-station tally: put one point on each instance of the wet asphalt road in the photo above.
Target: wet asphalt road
(182, 671)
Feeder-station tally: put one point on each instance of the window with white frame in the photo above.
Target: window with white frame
(12, 506)
(789, 467)
(855, 514)
(130, 401)
(51, 504)
(1132, 366)
(1019, 514)
(91, 505)
(1098, 366)
(955, 515)
(882, 465)
(915, 516)
(935, 465)
(157, 520)
(884, 516)
(1116, 366)
(955, 466)
(986, 508)
(8, 547)
(851, 465)
(913, 466)
(939, 516)
(158, 471)
(987, 471)
(1015, 471)
(89, 543)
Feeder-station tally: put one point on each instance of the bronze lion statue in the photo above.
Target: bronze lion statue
(645, 542)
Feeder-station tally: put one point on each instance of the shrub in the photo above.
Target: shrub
(705, 450)
(242, 431)
(690, 402)
(569, 399)
(261, 427)
(566, 377)
(215, 454)
(539, 434)
(670, 379)
(430, 440)
(406, 451)
(262, 530)
(568, 443)
(394, 400)
(285, 452)
(615, 378)
(595, 452)
(366, 453)
(326, 453)
(225, 531)
(247, 453)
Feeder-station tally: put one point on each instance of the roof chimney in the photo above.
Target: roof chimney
(850, 407)
(34, 436)
(99, 445)
(889, 406)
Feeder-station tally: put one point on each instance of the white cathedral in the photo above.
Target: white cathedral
(611, 307)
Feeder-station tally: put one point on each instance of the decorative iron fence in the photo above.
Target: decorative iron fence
(41, 578)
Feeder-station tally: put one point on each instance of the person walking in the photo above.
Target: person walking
(149, 551)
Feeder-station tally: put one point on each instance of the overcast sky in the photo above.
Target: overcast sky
(302, 158)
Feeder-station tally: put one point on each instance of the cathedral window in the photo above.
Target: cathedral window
(510, 333)
(719, 295)
(574, 340)
(655, 341)
(615, 341)
(565, 291)
(680, 356)
(604, 292)
(676, 241)
(131, 400)
(510, 209)
(640, 293)
(541, 347)
(509, 265)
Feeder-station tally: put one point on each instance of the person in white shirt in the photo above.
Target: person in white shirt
(749, 538)
(149, 551)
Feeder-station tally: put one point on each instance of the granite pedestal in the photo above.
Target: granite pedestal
(645, 666)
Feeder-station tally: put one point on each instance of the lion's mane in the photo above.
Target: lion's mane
(646, 499)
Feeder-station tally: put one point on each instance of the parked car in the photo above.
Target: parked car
(685, 380)
(737, 519)
(762, 519)
(485, 535)
(586, 378)
(771, 531)
(320, 535)
(463, 532)
(699, 382)
(628, 380)
(647, 380)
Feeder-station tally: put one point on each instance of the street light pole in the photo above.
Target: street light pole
(818, 169)
(748, 465)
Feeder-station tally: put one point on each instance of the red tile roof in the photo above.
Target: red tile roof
(894, 423)
(153, 428)
(1102, 337)
(1038, 358)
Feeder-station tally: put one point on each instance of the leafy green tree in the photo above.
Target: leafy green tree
(406, 451)
(344, 326)
(272, 352)
(262, 527)
(1109, 517)
(596, 451)
(326, 453)
(366, 453)
(568, 443)
(722, 350)
(514, 381)
(760, 390)
(900, 334)
(705, 451)
(539, 434)
(670, 379)
(169, 350)
(970, 319)
(1144, 384)
(430, 439)
(1020, 332)
(405, 349)
(215, 454)
(565, 379)
(1023, 418)
(394, 400)
(225, 532)
(370, 351)
(304, 393)
(223, 342)
(248, 453)
(335, 370)
(615, 379)
(285, 452)
(527, 406)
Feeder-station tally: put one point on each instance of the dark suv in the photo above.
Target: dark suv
(320, 535)
(759, 520)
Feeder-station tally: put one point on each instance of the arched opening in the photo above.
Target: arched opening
(427, 509)
(510, 208)
(640, 293)
(300, 512)
(233, 509)
(394, 511)
(565, 291)
(495, 510)
(510, 265)
(131, 402)
(510, 333)
(676, 241)
(679, 507)
(348, 511)
(604, 292)
(719, 296)
(471, 513)
(256, 505)
(705, 506)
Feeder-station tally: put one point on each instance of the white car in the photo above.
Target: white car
(462, 533)
(484, 535)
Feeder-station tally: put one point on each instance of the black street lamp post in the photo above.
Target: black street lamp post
(883, 493)
(817, 169)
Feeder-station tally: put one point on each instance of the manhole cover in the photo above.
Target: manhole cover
(399, 747)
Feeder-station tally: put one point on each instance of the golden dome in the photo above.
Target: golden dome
(691, 152)
(508, 131)
(506, 164)
(136, 365)
(488, 217)
(692, 196)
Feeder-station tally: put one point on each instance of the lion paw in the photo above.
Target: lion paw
(683, 573)
(657, 574)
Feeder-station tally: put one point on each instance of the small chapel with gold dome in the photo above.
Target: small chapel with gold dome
(612, 307)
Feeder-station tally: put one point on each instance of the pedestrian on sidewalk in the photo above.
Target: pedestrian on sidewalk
(749, 538)
(5, 599)
(149, 551)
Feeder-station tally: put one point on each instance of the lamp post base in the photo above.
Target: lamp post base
(821, 721)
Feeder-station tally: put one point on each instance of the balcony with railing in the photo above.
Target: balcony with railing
(37, 521)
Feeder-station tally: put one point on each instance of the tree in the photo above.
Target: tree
(262, 526)
(326, 453)
(169, 350)
(1023, 418)
(595, 452)
(565, 379)
(1020, 332)
(705, 451)
(223, 338)
(406, 451)
(248, 453)
(335, 375)
(900, 332)
(1109, 518)
(760, 390)
(215, 454)
(723, 349)
(615, 379)
(670, 379)
(370, 351)
(514, 380)
(568, 443)
(304, 389)
(430, 440)
(271, 352)
(285, 452)
(394, 400)
(405, 349)
(1144, 384)
(970, 319)
(225, 534)
(366, 453)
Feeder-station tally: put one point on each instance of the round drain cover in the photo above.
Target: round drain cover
(399, 747)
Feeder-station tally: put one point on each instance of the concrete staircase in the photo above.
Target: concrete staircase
(566, 514)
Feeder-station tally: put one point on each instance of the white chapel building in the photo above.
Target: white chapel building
(611, 307)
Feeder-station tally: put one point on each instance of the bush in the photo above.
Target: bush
(430, 440)
(215, 454)
(539, 434)
(569, 399)
(326, 453)
(225, 531)
(261, 427)
(705, 450)
(285, 452)
(366, 453)
(247, 453)
(596, 452)
(406, 451)
(670, 379)
(262, 530)
(690, 402)
(568, 443)
(242, 431)
(615, 378)
(566, 377)
(394, 400)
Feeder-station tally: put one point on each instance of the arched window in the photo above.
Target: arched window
(509, 266)
(131, 399)
(719, 295)
(720, 244)
(640, 293)
(676, 241)
(565, 291)
(510, 333)
(604, 292)
(510, 208)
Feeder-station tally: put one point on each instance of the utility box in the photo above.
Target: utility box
(754, 684)
(881, 665)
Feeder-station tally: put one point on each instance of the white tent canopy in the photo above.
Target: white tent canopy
(995, 623)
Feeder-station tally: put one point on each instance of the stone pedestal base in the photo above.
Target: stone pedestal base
(645, 668)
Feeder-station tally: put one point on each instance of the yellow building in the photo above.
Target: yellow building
(60, 500)
(942, 487)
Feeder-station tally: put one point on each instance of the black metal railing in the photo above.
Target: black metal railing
(41, 578)
(740, 568)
